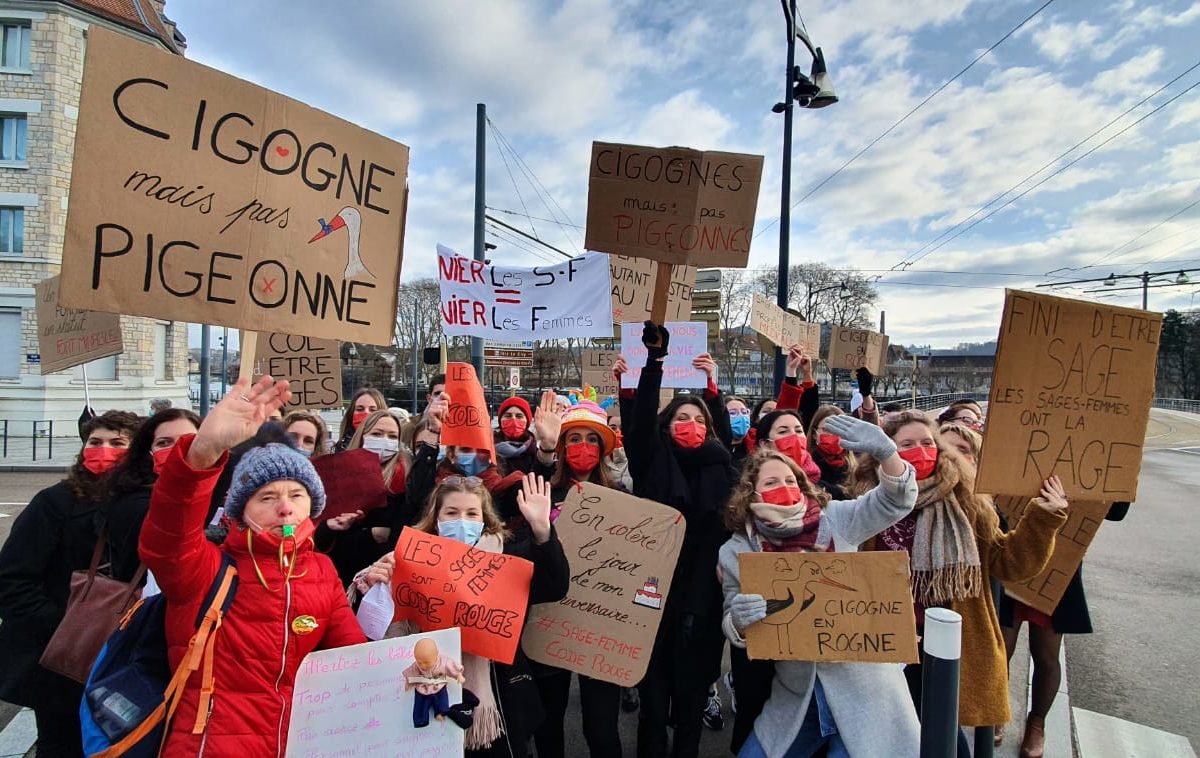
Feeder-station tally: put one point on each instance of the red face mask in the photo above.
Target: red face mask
(512, 428)
(688, 434)
(830, 445)
(99, 460)
(793, 446)
(358, 418)
(160, 458)
(784, 495)
(583, 457)
(923, 459)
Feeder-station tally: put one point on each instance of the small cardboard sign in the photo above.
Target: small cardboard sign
(467, 423)
(633, 289)
(312, 365)
(782, 328)
(440, 583)
(673, 205)
(68, 337)
(1044, 591)
(353, 482)
(1071, 395)
(858, 348)
(196, 196)
(689, 339)
(353, 701)
(622, 550)
(831, 606)
(597, 371)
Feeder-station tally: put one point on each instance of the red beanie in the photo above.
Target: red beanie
(518, 403)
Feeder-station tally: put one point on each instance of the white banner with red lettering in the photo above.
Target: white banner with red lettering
(569, 298)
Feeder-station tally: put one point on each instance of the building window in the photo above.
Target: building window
(10, 343)
(12, 230)
(160, 352)
(15, 44)
(99, 370)
(12, 137)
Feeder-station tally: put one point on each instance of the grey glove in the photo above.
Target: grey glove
(744, 610)
(861, 436)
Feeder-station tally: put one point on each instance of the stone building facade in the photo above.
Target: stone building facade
(43, 44)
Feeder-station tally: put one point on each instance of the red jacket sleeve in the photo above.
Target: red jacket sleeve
(172, 543)
(342, 627)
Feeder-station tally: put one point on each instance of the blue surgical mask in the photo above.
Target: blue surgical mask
(739, 425)
(472, 465)
(441, 453)
(305, 453)
(464, 531)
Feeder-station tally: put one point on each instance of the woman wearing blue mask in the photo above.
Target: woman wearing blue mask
(739, 427)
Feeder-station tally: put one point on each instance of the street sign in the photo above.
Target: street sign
(514, 378)
(706, 301)
(508, 357)
(707, 279)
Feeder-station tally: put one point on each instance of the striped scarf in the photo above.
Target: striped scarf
(789, 528)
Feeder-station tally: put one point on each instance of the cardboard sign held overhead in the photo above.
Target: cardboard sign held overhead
(858, 348)
(688, 340)
(623, 551)
(672, 205)
(196, 196)
(633, 285)
(69, 337)
(1071, 395)
(440, 583)
(467, 423)
(782, 328)
(312, 365)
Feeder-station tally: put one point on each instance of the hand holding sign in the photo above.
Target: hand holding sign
(1053, 497)
(705, 363)
(656, 339)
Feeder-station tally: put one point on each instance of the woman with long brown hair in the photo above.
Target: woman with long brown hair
(365, 401)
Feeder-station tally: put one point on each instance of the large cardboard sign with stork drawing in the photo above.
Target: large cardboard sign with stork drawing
(831, 606)
(197, 196)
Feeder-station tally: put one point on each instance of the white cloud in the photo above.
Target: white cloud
(1060, 41)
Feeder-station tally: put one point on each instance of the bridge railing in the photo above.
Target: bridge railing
(1177, 404)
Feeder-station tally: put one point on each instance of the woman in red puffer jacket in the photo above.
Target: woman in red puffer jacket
(289, 601)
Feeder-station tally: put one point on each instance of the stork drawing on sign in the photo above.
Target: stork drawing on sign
(782, 610)
(347, 218)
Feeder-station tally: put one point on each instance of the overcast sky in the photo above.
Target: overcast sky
(705, 73)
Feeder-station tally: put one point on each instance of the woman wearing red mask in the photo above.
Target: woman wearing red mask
(835, 462)
(783, 430)
(128, 487)
(955, 546)
(516, 448)
(366, 401)
(52, 537)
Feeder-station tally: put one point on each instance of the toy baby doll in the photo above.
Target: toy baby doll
(428, 675)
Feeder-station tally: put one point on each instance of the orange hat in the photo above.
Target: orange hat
(590, 416)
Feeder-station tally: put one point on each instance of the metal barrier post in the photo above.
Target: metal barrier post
(33, 439)
(5, 438)
(51, 446)
(939, 683)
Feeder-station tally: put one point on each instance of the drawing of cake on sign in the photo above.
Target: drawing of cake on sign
(648, 595)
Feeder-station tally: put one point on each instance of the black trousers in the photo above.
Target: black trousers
(600, 703)
(685, 662)
(58, 730)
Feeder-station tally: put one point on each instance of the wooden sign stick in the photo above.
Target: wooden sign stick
(249, 350)
(662, 288)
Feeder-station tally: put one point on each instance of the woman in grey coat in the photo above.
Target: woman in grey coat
(856, 709)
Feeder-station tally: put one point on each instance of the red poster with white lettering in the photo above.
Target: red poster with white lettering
(440, 583)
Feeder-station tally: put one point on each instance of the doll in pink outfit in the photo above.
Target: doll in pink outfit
(428, 675)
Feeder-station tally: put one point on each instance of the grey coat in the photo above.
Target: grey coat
(869, 701)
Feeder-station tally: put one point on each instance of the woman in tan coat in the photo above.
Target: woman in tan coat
(954, 540)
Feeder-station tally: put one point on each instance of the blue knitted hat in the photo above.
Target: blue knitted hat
(271, 463)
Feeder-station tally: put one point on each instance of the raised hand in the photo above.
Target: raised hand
(547, 423)
(533, 499)
(705, 363)
(656, 339)
(799, 362)
(343, 522)
(619, 368)
(236, 418)
(1053, 497)
(861, 436)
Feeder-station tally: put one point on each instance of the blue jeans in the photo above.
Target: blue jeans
(817, 731)
(438, 701)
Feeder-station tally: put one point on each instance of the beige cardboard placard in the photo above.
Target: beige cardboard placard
(68, 337)
(831, 606)
(312, 365)
(857, 348)
(633, 289)
(597, 371)
(1044, 591)
(1071, 395)
(196, 196)
(797, 331)
(766, 318)
(622, 550)
(673, 204)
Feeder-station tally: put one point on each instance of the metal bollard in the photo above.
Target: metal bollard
(939, 683)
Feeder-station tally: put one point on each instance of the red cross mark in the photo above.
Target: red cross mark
(267, 285)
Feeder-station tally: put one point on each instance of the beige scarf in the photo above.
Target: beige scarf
(945, 556)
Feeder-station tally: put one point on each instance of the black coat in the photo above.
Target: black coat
(124, 516)
(53, 537)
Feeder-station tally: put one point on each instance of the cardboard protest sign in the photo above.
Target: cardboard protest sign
(441, 583)
(831, 606)
(565, 299)
(857, 348)
(623, 551)
(797, 331)
(68, 337)
(597, 371)
(766, 318)
(353, 701)
(688, 340)
(1071, 394)
(353, 482)
(672, 205)
(633, 289)
(467, 423)
(196, 196)
(312, 365)
(1045, 590)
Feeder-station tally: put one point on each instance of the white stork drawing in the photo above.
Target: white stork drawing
(349, 219)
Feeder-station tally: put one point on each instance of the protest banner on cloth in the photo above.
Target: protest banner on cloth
(564, 299)
(197, 196)
(831, 606)
(633, 289)
(1071, 395)
(467, 422)
(69, 337)
(353, 482)
(672, 205)
(440, 583)
(312, 365)
(353, 701)
(688, 340)
(1044, 591)
(622, 550)
(858, 348)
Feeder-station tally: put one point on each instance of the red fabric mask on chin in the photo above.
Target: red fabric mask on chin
(583, 457)
(795, 447)
(512, 428)
(688, 434)
(100, 460)
(923, 459)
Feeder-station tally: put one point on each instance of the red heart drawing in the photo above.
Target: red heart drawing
(283, 151)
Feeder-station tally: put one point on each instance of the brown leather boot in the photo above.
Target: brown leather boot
(1034, 744)
(998, 736)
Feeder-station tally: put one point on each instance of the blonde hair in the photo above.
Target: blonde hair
(814, 432)
(397, 460)
(491, 520)
(973, 439)
(322, 443)
(745, 491)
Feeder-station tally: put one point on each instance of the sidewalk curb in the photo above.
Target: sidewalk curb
(35, 468)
